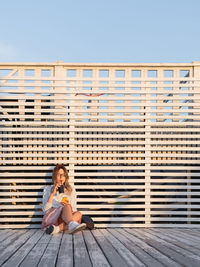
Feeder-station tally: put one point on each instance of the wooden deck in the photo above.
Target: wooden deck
(101, 247)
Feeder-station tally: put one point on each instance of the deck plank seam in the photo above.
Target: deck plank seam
(122, 231)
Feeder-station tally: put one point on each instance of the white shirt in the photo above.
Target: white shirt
(57, 198)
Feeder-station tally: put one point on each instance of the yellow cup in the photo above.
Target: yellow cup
(64, 199)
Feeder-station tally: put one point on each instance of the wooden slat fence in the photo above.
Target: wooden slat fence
(129, 135)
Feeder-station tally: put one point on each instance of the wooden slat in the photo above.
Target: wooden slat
(81, 256)
(34, 256)
(65, 256)
(22, 252)
(143, 256)
(109, 251)
(161, 257)
(50, 253)
(178, 241)
(100, 123)
(177, 253)
(95, 253)
(130, 258)
(7, 251)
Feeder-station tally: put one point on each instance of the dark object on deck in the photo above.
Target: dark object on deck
(88, 220)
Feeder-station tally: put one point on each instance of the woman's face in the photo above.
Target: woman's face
(60, 178)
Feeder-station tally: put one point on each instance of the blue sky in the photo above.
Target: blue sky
(124, 31)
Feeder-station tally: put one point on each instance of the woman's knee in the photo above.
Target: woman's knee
(77, 215)
(67, 209)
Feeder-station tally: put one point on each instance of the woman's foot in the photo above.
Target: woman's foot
(75, 227)
(52, 230)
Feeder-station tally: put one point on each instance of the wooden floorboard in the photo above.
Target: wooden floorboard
(177, 240)
(141, 254)
(138, 239)
(109, 251)
(174, 252)
(120, 247)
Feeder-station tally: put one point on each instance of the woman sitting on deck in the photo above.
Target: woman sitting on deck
(59, 205)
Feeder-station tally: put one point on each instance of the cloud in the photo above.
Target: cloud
(7, 52)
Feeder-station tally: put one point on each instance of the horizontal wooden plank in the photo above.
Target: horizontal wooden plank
(171, 211)
(63, 123)
(138, 213)
(85, 85)
(160, 186)
(94, 206)
(114, 134)
(97, 155)
(101, 115)
(36, 178)
(135, 192)
(103, 97)
(47, 170)
(114, 129)
(19, 193)
(21, 199)
(67, 110)
(78, 151)
(134, 142)
(108, 192)
(97, 90)
(88, 180)
(154, 202)
(36, 133)
(100, 66)
(114, 160)
(93, 180)
(100, 104)
(118, 200)
(109, 206)
(91, 212)
(45, 177)
(22, 219)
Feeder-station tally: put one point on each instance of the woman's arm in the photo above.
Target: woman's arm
(73, 199)
(50, 200)
(48, 195)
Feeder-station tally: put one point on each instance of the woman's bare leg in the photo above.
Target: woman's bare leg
(76, 216)
(67, 215)
(63, 227)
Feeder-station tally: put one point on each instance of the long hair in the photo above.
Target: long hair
(66, 183)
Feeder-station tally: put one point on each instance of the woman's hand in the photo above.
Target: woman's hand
(65, 201)
(55, 188)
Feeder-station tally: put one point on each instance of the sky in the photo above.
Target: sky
(100, 31)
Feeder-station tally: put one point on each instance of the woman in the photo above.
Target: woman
(60, 207)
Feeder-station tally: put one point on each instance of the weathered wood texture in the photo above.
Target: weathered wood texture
(129, 135)
(115, 247)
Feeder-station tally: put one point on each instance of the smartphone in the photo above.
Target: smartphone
(61, 189)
